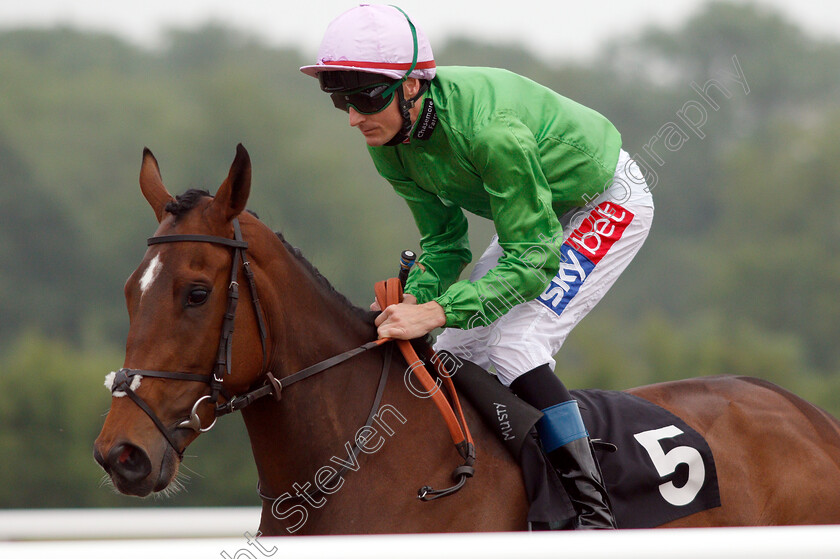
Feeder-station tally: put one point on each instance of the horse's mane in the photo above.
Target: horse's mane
(324, 282)
(185, 202)
(421, 345)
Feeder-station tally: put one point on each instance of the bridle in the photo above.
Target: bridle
(123, 378)
(273, 387)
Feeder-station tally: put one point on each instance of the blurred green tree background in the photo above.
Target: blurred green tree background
(739, 276)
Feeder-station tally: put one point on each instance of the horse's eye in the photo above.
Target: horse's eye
(197, 296)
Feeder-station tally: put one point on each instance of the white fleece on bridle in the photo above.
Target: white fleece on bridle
(109, 384)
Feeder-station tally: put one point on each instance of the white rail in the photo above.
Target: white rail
(766, 543)
(96, 524)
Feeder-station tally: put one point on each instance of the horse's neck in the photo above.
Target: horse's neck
(308, 321)
(318, 419)
(318, 414)
(313, 428)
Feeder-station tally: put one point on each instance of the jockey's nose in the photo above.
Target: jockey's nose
(356, 117)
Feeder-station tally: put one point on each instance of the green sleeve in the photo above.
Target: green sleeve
(505, 153)
(444, 242)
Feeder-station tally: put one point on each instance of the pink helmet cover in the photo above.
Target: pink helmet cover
(374, 38)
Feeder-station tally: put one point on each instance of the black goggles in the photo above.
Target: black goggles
(367, 101)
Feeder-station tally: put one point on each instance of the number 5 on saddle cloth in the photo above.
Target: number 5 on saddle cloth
(642, 492)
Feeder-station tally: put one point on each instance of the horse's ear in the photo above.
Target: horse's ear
(232, 196)
(151, 184)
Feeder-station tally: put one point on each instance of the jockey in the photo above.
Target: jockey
(570, 210)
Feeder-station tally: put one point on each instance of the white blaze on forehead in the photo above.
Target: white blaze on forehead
(150, 274)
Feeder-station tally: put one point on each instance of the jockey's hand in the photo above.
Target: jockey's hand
(407, 298)
(408, 320)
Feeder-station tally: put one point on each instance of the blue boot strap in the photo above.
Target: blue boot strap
(560, 425)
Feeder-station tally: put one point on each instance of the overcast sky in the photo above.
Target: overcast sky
(554, 28)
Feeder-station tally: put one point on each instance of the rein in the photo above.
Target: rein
(387, 293)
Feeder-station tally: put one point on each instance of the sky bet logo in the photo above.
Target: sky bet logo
(582, 251)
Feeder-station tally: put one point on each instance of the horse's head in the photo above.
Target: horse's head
(184, 358)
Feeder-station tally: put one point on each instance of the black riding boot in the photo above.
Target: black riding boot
(581, 476)
(567, 445)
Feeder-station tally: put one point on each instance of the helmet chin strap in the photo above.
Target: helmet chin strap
(405, 106)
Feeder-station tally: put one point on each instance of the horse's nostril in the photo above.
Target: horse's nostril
(129, 461)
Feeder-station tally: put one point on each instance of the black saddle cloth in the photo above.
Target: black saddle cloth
(663, 469)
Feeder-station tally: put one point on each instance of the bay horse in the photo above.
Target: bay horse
(777, 456)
